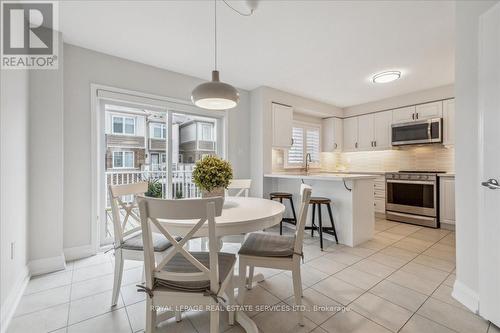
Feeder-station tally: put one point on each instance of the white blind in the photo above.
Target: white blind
(306, 139)
(296, 151)
(312, 144)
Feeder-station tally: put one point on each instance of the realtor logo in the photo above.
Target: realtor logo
(29, 35)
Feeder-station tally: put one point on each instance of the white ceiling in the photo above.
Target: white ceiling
(325, 50)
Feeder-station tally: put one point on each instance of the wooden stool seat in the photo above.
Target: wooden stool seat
(320, 200)
(278, 195)
(316, 202)
(288, 196)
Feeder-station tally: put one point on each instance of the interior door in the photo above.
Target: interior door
(365, 132)
(489, 222)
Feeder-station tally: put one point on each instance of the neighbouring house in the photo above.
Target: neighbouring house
(197, 139)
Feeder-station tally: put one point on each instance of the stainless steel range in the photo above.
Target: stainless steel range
(412, 197)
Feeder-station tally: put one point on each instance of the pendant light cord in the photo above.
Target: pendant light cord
(215, 32)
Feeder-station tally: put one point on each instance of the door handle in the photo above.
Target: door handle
(413, 116)
(335, 145)
(417, 115)
(492, 184)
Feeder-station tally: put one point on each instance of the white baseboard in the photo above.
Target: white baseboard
(79, 252)
(466, 296)
(12, 299)
(47, 265)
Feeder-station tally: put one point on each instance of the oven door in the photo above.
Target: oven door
(417, 132)
(412, 197)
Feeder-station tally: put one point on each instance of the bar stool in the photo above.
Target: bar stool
(281, 196)
(318, 201)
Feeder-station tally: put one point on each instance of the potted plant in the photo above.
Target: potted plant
(154, 189)
(212, 175)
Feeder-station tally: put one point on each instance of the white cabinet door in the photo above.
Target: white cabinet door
(365, 132)
(282, 118)
(403, 115)
(328, 135)
(382, 129)
(449, 122)
(447, 200)
(332, 134)
(429, 110)
(350, 134)
(338, 126)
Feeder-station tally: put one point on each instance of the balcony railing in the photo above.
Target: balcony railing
(182, 185)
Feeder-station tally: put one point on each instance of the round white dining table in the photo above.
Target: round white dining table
(240, 215)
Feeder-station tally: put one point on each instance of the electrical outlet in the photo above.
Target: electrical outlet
(12, 251)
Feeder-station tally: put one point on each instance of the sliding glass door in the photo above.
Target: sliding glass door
(141, 143)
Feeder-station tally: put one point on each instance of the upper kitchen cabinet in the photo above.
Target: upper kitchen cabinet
(374, 131)
(282, 123)
(350, 134)
(332, 134)
(365, 132)
(382, 130)
(449, 122)
(429, 110)
(403, 115)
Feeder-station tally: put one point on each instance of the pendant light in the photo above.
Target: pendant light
(215, 95)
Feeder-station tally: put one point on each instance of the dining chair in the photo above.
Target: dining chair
(183, 278)
(276, 251)
(243, 185)
(127, 236)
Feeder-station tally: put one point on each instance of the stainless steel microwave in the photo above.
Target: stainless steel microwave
(418, 132)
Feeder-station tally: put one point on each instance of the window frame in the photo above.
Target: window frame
(113, 117)
(305, 127)
(163, 131)
(122, 152)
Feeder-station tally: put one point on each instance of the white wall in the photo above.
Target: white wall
(46, 145)
(83, 67)
(466, 147)
(413, 98)
(14, 191)
(261, 127)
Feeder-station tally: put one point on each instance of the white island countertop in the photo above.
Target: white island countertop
(321, 176)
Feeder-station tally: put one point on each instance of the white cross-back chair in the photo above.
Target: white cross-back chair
(184, 278)
(243, 185)
(276, 251)
(128, 239)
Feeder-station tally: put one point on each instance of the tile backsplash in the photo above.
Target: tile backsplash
(429, 157)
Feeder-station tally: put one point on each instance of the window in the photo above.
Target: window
(205, 132)
(306, 140)
(123, 159)
(123, 125)
(158, 131)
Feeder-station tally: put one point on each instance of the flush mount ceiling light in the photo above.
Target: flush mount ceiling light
(385, 77)
(216, 95)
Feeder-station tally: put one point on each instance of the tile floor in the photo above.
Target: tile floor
(401, 281)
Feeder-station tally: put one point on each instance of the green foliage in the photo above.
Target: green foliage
(154, 188)
(212, 172)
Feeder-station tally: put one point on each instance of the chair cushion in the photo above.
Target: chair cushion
(160, 242)
(268, 245)
(179, 264)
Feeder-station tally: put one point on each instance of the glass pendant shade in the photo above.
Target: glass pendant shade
(215, 95)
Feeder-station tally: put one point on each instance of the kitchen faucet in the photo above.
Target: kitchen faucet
(308, 160)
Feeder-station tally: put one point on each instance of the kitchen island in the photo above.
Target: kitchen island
(352, 197)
